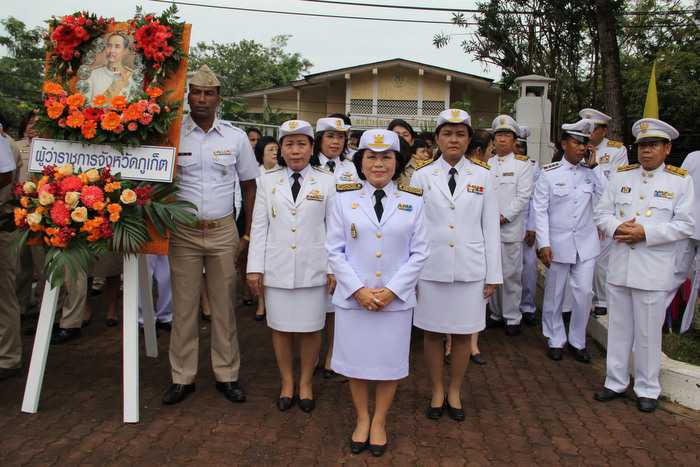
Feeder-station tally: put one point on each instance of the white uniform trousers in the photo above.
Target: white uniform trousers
(159, 268)
(505, 303)
(635, 319)
(529, 281)
(600, 277)
(579, 279)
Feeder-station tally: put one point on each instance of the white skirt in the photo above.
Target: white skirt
(450, 307)
(296, 310)
(371, 345)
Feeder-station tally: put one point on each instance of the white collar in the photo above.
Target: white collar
(304, 172)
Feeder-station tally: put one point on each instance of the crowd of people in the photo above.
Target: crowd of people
(363, 236)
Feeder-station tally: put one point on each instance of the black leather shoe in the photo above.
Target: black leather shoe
(478, 359)
(65, 335)
(494, 323)
(512, 330)
(329, 374)
(600, 311)
(307, 405)
(455, 414)
(580, 355)
(6, 373)
(435, 413)
(377, 450)
(231, 391)
(285, 403)
(177, 393)
(529, 319)
(260, 317)
(357, 447)
(166, 326)
(555, 353)
(605, 395)
(647, 404)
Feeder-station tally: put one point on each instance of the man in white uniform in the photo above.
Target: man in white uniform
(514, 181)
(610, 155)
(692, 165)
(529, 275)
(647, 209)
(567, 238)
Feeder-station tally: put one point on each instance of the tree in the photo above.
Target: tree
(21, 71)
(248, 65)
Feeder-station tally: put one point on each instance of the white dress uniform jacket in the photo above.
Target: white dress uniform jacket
(611, 155)
(287, 238)
(464, 227)
(514, 179)
(359, 254)
(563, 202)
(344, 171)
(662, 201)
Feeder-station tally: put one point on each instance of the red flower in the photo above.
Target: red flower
(106, 175)
(19, 190)
(67, 36)
(90, 195)
(143, 195)
(48, 170)
(105, 229)
(72, 183)
(152, 38)
(60, 214)
(66, 234)
(93, 113)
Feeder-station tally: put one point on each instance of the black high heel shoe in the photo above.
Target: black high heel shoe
(357, 447)
(435, 413)
(285, 403)
(378, 450)
(307, 405)
(455, 414)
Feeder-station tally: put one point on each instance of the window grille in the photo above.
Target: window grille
(433, 107)
(361, 106)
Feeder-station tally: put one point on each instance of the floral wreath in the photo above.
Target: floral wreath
(143, 114)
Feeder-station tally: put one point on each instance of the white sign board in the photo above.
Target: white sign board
(144, 163)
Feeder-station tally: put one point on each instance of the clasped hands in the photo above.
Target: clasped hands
(374, 299)
(630, 232)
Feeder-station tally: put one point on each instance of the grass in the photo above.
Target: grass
(683, 347)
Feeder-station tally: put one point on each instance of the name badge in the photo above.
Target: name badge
(184, 154)
(478, 189)
(626, 189)
(560, 184)
(223, 152)
(663, 194)
(405, 207)
(315, 195)
(508, 174)
(347, 176)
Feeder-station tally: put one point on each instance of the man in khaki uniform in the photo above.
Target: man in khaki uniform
(213, 154)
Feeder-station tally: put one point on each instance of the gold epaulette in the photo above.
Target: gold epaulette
(348, 186)
(625, 168)
(421, 164)
(521, 157)
(273, 170)
(410, 189)
(551, 165)
(672, 169)
(480, 163)
(615, 144)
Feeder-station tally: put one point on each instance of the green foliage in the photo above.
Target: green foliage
(62, 264)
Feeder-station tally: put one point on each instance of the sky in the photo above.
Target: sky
(327, 43)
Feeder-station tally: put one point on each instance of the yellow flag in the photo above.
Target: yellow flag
(651, 105)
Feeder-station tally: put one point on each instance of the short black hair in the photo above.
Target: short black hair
(25, 122)
(343, 117)
(417, 144)
(280, 159)
(480, 140)
(261, 145)
(252, 129)
(360, 154)
(317, 148)
(400, 122)
(427, 135)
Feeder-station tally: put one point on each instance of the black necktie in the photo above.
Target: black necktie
(331, 166)
(378, 208)
(452, 183)
(296, 186)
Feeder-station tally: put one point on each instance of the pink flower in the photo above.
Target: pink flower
(72, 183)
(60, 214)
(146, 119)
(91, 194)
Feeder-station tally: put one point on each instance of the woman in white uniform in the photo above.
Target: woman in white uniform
(329, 154)
(461, 214)
(376, 247)
(287, 259)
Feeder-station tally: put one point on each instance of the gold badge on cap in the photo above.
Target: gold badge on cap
(293, 125)
(455, 115)
(644, 126)
(339, 123)
(502, 121)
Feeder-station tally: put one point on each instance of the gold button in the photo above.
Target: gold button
(294, 212)
(641, 196)
(294, 247)
(637, 213)
(294, 229)
(379, 235)
(378, 274)
(451, 243)
(451, 226)
(378, 254)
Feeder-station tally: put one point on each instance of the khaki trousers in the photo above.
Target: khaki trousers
(74, 302)
(31, 260)
(10, 339)
(214, 249)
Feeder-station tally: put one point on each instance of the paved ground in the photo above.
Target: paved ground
(522, 409)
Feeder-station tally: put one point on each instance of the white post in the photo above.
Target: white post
(419, 109)
(448, 83)
(42, 340)
(146, 302)
(348, 93)
(375, 91)
(131, 339)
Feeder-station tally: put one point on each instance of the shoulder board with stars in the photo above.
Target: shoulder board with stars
(614, 144)
(321, 169)
(625, 168)
(271, 171)
(410, 189)
(480, 163)
(421, 164)
(672, 169)
(551, 166)
(521, 157)
(348, 186)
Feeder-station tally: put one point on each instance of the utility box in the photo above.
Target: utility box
(534, 109)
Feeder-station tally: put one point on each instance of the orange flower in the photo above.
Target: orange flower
(20, 216)
(75, 119)
(36, 227)
(110, 121)
(88, 130)
(51, 231)
(92, 224)
(42, 181)
(57, 242)
(53, 88)
(119, 102)
(24, 202)
(40, 210)
(55, 110)
(114, 210)
(154, 92)
(98, 206)
(131, 113)
(75, 100)
(110, 187)
(99, 100)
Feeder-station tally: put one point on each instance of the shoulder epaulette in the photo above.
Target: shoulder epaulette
(348, 186)
(421, 164)
(615, 144)
(480, 163)
(273, 170)
(551, 165)
(625, 168)
(321, 169)
(521, 157)
(672, 169)
(411, 189)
